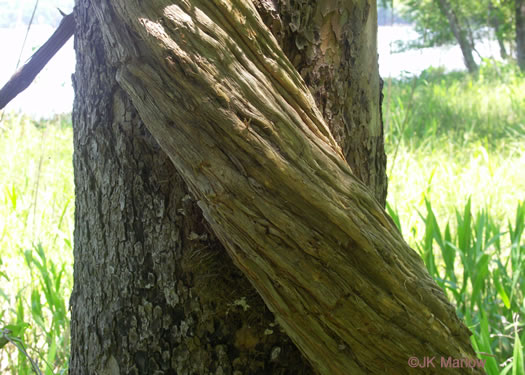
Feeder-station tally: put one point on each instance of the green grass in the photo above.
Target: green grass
(36, 223)
(456, 147)
(441, 146)
(458, 107)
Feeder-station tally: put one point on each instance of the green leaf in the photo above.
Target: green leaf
(517, 363)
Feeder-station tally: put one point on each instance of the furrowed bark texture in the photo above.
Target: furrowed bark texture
(155, 292)
(215, 90)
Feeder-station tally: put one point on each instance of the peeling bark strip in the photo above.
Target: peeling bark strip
(239, 124)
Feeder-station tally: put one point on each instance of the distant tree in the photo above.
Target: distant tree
(460, 33)
(520, 33)
(496, 19)
(465, 22)
(443, 22)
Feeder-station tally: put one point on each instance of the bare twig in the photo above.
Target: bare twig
(5, 334)
(25, 75)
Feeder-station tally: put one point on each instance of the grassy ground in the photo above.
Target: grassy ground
(452, 136)
(456, 147)
(36, 224)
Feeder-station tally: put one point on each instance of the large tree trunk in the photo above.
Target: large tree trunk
(222, 100)
(520, 33)
(155, 292)
(460, 34)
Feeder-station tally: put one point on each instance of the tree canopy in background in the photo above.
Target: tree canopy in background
(473, 15)
(445, 22)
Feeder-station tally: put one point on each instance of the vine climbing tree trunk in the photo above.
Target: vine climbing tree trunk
(212, 90)
(155, 292)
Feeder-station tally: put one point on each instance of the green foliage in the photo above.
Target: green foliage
(474, 16)
(430, 24)
(435, 106)
(35, 244)
(484, 275)
(460, 138)
(502, 11)
(14, 334)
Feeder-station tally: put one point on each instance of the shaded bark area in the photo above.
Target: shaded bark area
(460, 34)
(520, 33)
(333, 45)
(242, 128)
(154, 292)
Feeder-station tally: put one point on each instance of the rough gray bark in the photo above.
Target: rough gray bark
(155, 292)
(460, 34)
(239, 124)
(520, 33)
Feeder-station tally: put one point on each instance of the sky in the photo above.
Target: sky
(52, 93)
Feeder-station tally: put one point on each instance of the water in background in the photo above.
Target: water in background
(52, 93)
(415, 61)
